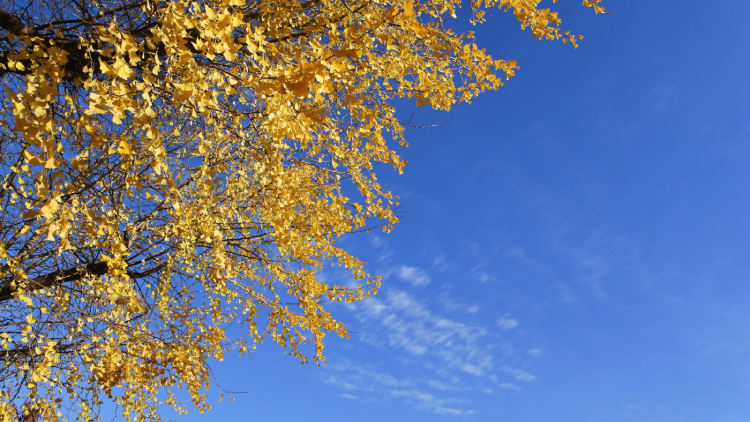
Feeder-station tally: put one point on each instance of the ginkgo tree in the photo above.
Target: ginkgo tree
(175, 174)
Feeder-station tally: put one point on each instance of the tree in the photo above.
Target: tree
(174, 175)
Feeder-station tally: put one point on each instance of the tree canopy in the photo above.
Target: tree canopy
(175, 174)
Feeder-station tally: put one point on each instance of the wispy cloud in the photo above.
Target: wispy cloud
(414, 275)
(484, 277)
(440, 263)
(353, 378)
(442, 386)
(428, 346)
(412, 327)
(507, 323)
(519, 374)
(376, 385)
(448, 300)
(386, 253)
(427, 401)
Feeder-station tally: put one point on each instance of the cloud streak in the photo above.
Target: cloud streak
(507, 323)
(414, 275)
(408, 325)
(378, 385)
(440, 362)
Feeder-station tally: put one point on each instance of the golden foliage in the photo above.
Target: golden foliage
(175, 174)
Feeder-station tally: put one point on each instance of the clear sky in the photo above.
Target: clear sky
(576, 246)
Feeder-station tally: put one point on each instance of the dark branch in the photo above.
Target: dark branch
(56, 277)
(72, 274)
(14, 25)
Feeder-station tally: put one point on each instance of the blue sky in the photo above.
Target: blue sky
(576, 245)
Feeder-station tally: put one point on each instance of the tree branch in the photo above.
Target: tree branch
(72, 274)
(56, 277)
(14, 25)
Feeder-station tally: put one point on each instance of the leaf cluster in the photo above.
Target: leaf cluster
(175, 175)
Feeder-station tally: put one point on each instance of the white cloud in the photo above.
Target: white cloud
(342, 382)
(440, 263)
(427, 401)
(386, 253)
(384, 386)
(372, 306)
(507, 323)
(519, 374)
(450, 303)
(439, 385)
(412, 327)
(535, 352)
(446, 362)
(355, 378)
(485, 277)
(414, 275)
